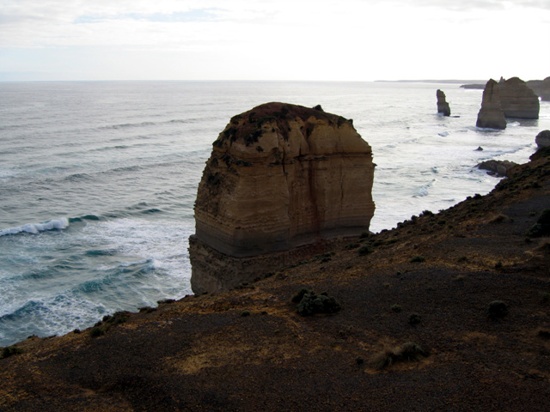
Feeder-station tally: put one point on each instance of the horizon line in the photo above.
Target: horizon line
(458, 81)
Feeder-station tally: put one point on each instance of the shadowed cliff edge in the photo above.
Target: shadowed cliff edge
(450, 311)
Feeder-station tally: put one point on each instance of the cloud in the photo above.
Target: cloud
(477, 5)
(196, 15)
(272, 39)
(32, 23)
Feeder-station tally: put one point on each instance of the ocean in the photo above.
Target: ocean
(98, 180)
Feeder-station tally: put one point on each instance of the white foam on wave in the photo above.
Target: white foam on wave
(161, 244)
(54, 315)
(6, 174)
(35, 228)
(425, 189)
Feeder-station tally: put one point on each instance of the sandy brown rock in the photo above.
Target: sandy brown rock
(280, 176)
(442, 104)
(518, 100)
(491, 114)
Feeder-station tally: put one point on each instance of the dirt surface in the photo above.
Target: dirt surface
(428, 285)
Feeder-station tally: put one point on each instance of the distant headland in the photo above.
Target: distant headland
(449, 81)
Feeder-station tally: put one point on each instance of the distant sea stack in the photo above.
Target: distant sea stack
(442, 105)
(541, 88)
(281, 179)
(517, 99)
(491, 114)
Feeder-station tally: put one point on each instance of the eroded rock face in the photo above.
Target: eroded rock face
(442, 105)
(497, 167)
(518, 100)
(491, 114)
(280, 177)
(543, 139)
(541, 88)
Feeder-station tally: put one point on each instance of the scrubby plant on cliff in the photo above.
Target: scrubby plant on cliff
(309, 303)
(252, 137)
(408, 352)
(497, 309)
(213, 179)
(326, 257)
(396, 308)
(414, 319)
(97, 331)
(364, 250)
(10, 351)
(100, 328)
(542, 227)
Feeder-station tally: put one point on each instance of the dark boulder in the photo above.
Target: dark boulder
(497, 167)
(543, 139)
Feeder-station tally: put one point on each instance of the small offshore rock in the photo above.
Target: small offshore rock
(499, 168)
(442, 105)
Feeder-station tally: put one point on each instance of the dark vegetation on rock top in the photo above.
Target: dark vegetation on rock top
(248, 125)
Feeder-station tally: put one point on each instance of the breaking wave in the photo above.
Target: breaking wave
(35, 228)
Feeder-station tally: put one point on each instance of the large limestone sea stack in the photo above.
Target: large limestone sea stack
(281, 180)
(517, 99)
(491, 114)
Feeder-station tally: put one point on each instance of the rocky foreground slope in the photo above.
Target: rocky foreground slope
(450, 311)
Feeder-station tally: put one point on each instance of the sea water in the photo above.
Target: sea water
(98, 180)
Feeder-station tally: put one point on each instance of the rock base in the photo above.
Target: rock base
(215, 272)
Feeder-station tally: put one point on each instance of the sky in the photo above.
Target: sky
(318, 40)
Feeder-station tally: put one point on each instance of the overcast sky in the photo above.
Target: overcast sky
(273, 39)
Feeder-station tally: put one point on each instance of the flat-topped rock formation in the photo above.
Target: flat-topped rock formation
(280, 177)
(491, 114)
(442, 105)
(517, 99)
